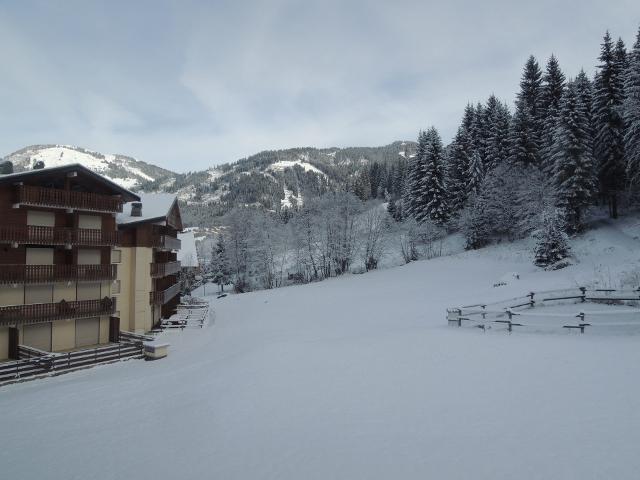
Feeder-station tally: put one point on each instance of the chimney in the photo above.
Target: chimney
(136, 209)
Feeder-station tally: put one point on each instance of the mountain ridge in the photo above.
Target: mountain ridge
(272, 179)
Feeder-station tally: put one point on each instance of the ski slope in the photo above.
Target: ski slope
(353, 378)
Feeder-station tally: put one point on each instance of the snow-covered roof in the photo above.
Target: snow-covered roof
(155, 206)
(63, 169)
(188, 255)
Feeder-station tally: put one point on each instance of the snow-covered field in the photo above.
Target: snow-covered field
(354, 378)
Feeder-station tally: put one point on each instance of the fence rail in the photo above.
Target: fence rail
(35, 362)
(511, 312)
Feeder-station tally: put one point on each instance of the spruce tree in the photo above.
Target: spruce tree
(631, 112)
(220, 263)
(573, 172)
(475, 174)
(527, 123)
(413, 198)
(497, 121)
(458, 158)
(432, 185)
(553, 82)
(609, 125)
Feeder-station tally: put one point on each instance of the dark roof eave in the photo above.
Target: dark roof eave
(127, 195)
(144, 220)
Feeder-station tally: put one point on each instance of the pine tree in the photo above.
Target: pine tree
(458, 158)
(584, 89)
(631, 112)
(478, 132)
(573, 171)
(552, 245)
(475, 174)
(497, 120)
(413, 198)
(609, 125)
(432, 185)
(527, 123)
(553, 82)
(220, 263)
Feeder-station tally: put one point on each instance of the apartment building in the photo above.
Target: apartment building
(147, 287)
(57, 231)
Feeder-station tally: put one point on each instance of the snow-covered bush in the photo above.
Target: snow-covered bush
(552, 245)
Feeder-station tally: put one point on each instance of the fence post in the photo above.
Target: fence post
(531, 294)
(584, 294)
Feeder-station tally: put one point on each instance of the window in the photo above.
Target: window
(116, 256)
(115, 287)
(90, 221)
(40, 218)
(89, 291)
(88, 256)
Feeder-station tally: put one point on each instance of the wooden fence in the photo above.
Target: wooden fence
(509, 313)
(34, 362)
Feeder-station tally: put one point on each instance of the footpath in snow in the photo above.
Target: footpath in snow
(353, 378)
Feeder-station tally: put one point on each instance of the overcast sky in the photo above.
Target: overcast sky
(188, 84)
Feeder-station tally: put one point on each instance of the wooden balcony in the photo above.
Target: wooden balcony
(162, 297)
(30, 274)
(55, 198)
(166, 242)
(48, 312)
(159, 270)
(37, 235)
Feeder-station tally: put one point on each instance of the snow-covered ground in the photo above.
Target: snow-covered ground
(354, 378)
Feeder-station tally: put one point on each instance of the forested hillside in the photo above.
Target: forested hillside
(282, 180)
(571, 143)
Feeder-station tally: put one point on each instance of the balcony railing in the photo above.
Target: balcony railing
(10, 274)
(166, 242)
(37, 235)
(162, 297)
(48, 312)
(52, 197)
(159, 270)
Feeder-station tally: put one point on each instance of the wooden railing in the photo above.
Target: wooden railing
(166, 242)
(35, 363)
(47, 312)
(52, 197)
(162, 297)
(10, 274)
(38, 235)
(159, 270)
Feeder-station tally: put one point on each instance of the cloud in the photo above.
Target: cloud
(190, 84)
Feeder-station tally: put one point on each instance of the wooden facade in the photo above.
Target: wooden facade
(56, 236)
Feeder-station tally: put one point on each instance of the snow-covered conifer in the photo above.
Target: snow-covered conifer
(631, 111)
(609, 125)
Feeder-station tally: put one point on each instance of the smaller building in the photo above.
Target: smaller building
(147, 287)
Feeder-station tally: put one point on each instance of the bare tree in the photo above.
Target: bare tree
(375, 227)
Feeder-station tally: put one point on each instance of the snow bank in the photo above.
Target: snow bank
(355, 378)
